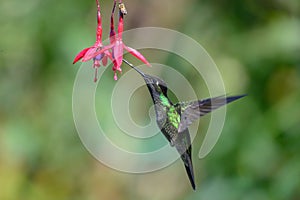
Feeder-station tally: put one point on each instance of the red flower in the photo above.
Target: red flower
(116, 43)
(99, 52)
(86, 54)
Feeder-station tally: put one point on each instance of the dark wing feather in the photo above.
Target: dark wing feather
(191, 111)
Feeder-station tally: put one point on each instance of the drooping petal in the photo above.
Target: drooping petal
(114, 67)
(88, 54)
(137, 54)
(92, 54)
(118, 53)
(80, 55)
(104, 60)
(108, 54)
(96, 63)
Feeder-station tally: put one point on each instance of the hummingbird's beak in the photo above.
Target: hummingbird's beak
(132, 66)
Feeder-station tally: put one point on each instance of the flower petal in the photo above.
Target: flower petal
(91, 55)
(108, 54)
(104, 60)
(90, 52)
(96, 63)
(99, 57)
(137, 55)
(118, 53)
(80, 55)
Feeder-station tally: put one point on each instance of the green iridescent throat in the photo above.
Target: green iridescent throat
(164, 100)
(173, 116)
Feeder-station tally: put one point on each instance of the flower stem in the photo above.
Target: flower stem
(112, 34)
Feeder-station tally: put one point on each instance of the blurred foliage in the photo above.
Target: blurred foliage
(256, 46)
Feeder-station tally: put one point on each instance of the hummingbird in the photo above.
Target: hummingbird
(174, 119)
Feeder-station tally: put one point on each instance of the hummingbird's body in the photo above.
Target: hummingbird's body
(174, 119)
(168, 120)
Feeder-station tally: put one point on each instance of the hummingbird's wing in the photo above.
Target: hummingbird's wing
(191, 111)
(184, 148)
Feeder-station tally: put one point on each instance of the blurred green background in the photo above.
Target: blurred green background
(255, 44)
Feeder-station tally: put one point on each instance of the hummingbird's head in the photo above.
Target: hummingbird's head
(155, 84)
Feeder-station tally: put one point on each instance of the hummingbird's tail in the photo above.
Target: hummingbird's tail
(184, 148)
(187, 160)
